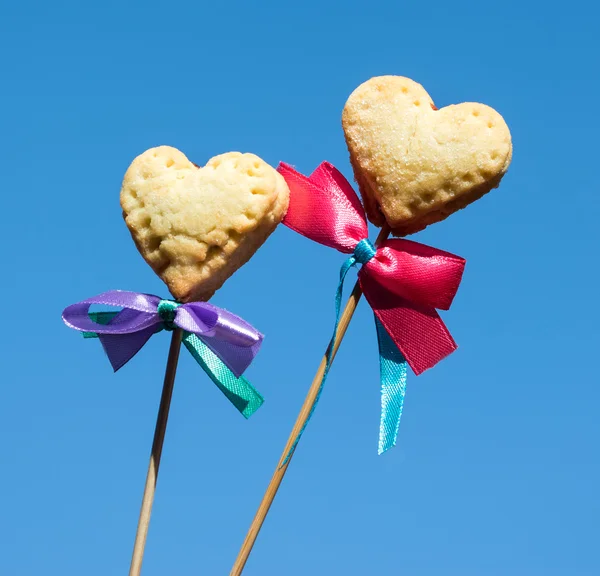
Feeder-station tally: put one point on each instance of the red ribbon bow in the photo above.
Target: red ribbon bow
(404, 282)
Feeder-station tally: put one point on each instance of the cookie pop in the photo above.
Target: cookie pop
(195, 227)
(415, 165)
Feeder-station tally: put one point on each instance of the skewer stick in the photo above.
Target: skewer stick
(305, 412)
(157, 445)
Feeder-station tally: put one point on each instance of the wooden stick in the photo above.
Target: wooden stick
(157, 445)
(307, 407)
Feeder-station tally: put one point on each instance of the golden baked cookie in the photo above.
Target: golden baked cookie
(414, 164)
(197, 226)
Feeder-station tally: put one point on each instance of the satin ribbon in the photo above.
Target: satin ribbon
(403, 281)
(223, 344)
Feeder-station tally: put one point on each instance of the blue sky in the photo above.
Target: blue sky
(496, 471)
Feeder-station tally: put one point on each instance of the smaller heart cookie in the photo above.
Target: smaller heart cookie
(197, 226)
(414, 164)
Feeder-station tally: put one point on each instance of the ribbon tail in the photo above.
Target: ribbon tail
(394, 370)
(120, 348)
(236, 358)
(237, 389)
(417, 331)
(351, 261)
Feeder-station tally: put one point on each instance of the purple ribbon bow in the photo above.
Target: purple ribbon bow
(229, 337)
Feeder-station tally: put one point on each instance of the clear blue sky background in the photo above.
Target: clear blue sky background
(496, 471)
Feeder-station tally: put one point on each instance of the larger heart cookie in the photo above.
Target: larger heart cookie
(197, 226)
(414, 164)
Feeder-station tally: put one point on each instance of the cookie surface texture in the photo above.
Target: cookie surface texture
(197, 226)
(416, 165)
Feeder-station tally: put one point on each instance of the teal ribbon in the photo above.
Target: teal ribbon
(393, 369)
(392, 364)
(238, 391)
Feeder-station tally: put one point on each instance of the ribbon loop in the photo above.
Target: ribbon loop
(324, 207)
(421, 274)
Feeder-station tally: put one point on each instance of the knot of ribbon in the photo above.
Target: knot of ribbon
(166, 310)
(404, 282)
(223, 344)
(364, 251)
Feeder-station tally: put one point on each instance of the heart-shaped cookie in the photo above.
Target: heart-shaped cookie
(414, 164)
(197, 226)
